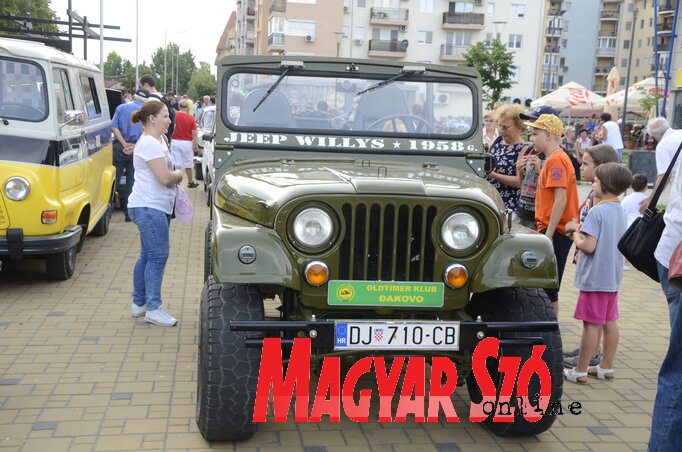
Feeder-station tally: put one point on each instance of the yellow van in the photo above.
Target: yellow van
(56, 171)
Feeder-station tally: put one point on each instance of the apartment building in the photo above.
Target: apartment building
(227, 44)
(428, 31)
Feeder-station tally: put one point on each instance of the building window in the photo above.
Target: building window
(651, 21)
(639, 44)
(424, 37)
(464, 7)
(361, 3)
(276, 25)
(518, 10)
(515, 41)
(359, 32)
(300, 28)
(607, 43)
(491, 9)
(641, 24)
(564, 43)
(637, 62)
(628, 25)
(459, 38)
(626, 44)
(488, 39)
(624, 62)
(426, 6)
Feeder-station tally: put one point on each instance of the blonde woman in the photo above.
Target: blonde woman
(490, 133)
(506, 152)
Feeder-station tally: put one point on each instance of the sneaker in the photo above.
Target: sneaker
(192, 185)
(572, 361)
(138, 311)
(572, 353)
(159, 317)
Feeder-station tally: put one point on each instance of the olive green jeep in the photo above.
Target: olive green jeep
(351, 195)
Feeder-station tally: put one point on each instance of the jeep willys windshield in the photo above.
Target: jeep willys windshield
(436, 112)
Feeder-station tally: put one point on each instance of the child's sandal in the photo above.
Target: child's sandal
(600, 373)
(574, 376)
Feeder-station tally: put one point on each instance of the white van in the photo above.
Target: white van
(56, 171)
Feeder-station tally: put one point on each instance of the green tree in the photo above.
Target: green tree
(113, 65)
(649, 99)
(185, 68)
(496, 66)
(202, 82)
(39, 9)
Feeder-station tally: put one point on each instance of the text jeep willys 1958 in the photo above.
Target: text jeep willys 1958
(352, 193)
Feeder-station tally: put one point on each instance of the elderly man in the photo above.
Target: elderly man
(185, 141)
(668, 141)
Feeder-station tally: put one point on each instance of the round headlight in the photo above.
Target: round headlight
(460, 231)
(313, 227)
(17, 188)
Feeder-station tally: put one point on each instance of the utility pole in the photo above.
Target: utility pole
(101, 35)
(627, 73)
(165, 51)
(137, 39)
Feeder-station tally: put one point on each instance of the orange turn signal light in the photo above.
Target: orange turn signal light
(316, 273)
(48, 216)
(456, 276)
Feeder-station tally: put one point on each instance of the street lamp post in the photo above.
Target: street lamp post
(627, 73)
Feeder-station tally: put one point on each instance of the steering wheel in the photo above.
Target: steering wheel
(413, 124)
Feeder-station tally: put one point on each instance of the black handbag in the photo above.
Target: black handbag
(641, 238)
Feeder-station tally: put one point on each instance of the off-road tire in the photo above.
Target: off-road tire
(520, 305)
(207, 250)
(102, 226)
(61, 266)
(227, 373)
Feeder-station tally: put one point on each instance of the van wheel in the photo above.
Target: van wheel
(60, 266)
(520, 305)
(227, 373)
(102, 226)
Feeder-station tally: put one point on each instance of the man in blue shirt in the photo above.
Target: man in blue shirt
(126, 134)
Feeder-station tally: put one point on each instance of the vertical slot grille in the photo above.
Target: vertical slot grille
(387, 242)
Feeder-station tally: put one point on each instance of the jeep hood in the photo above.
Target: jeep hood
(256, 190)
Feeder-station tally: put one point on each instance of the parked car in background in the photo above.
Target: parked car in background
(203, 164)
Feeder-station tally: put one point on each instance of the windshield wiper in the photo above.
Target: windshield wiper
(289, 65)
(404, 72)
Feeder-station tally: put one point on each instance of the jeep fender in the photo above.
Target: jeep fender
(502, 265)
(273, 264)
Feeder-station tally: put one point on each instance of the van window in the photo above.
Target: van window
(22, 90)
(91, 100)
(62, 92)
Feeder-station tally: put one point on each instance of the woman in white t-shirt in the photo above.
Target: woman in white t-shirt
(581, 144)
(150, 206)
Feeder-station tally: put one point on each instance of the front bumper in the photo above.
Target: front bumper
(322, 332)
(15, 245)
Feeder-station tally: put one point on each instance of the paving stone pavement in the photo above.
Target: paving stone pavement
(77, 373)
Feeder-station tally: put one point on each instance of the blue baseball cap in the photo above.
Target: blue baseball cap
(539, 111)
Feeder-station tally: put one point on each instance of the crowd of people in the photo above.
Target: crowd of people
(537, 180)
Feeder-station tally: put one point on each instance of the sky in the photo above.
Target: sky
(193, 25)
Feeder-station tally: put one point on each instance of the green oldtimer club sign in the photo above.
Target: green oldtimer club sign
(388, 294)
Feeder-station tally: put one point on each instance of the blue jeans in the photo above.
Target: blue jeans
(154, 248)
(620, 155)
(124, 163)
(666, 431)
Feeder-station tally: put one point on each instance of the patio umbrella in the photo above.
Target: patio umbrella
(572, 96)
(635, 93)
(612, 86)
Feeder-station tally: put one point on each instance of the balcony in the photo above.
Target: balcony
(449, 52)
(386, 48)
(666, 7)
(602, 70)
(665, 27)
(606, 51)
(470, 21)
(664, 47)
(389, 16)
(551, 49)
(607, 33)
(250, 13)
(278, 6)
(554, 13)
(610, 15)
(551, 31)
(275, 40)
(250, 37)
(549, 86)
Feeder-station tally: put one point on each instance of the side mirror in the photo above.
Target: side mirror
(74, 117)
(207, 137)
